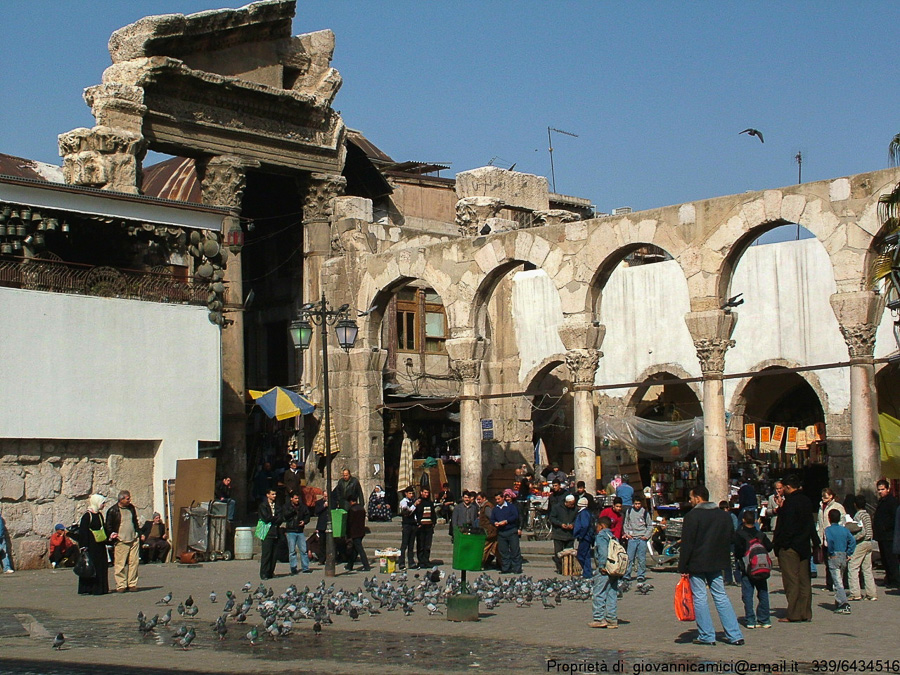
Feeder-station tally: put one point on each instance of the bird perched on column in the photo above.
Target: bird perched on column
(753, 132)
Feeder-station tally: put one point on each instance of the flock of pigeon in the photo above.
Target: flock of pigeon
(278, 615)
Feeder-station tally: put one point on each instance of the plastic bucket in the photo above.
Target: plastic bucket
(338, 522)
(467, 551)
(243, 543)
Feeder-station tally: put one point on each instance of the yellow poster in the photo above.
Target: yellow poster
(889, 428)
(790, 446)
(750, 436)
(777, 438)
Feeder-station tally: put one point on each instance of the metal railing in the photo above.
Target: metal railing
(158, 285)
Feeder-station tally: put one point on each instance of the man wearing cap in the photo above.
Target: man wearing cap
(562, 520)
(585, 531)
(61, 546)
(155, 539)
(637, 528)
(557, 475)
(557, 495)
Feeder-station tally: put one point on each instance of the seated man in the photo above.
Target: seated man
(223, 494)
(155, 540)
(63, 551)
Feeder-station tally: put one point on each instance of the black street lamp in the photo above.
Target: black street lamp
(320, 314)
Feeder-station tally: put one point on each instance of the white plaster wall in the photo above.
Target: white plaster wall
(787, 315)
(643, 310)
(78, 367)
(537, 313)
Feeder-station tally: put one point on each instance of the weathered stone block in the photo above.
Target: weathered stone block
(78, 478)
(12, 483)
(18, 517)
(30, 554)
(358, 208)
(511, 187)
(42, 483)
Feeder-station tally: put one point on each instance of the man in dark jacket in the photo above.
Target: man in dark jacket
(356, 530)
(883, 531)
(425, 517)
(706, 542)
(348, 486)
(223, 494)
(795, 533)
(291, 479)
(269, 513)
(155, 539)
(465, 515)
(562, 521)
(123, 531)
(295, 515)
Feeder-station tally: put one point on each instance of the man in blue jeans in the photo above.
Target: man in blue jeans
(706, 542)
(605, 591)
(296, 514)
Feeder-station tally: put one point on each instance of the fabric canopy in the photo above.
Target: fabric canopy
(889, 428)
(665, 440)
(282, 403)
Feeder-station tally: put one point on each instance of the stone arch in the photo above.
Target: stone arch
(675, 370)
(605, 269)
(541, 370)
(738, 401)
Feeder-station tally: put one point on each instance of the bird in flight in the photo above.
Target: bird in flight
(754, 132)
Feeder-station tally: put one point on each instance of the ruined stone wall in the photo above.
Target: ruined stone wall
(44, 482)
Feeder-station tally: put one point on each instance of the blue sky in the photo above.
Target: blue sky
(656, 91)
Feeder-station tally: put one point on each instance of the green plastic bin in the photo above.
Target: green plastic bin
(338, 522)
(468, 550)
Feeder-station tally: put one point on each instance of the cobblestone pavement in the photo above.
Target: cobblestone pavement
(35, 605)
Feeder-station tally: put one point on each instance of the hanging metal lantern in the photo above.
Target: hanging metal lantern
(6, 248)
(38, 220)
(65, 227)
(52, 224)
(2, 230)
(17, 245)
(26, 215)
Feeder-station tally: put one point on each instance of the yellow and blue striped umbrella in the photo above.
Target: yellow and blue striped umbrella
(282, 403)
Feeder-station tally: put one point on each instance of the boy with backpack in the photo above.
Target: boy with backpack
(611, 560)
(751, 550)
(841, 545)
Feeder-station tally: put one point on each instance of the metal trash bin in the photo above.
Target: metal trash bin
(468, 551)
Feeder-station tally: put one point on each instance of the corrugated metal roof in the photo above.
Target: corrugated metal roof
(20, 167)
(174, 179)
(364, 144)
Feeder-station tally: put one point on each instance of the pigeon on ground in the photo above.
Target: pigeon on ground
(229, 605)
(354, 613)
(253, 635)
(181, 608)
(753, 132)
(212, 596)
(189, 601)
(432, 609)
(246, 587)
(191, 611)
(317, 628)
(59, 641)
(166, 618)
(221, 629)
(166, 599)
(545, 600)
(185, 641)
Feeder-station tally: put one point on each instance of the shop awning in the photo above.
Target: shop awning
(664, 440)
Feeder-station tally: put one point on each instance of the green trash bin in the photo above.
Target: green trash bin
(468, 550)
(338, 522)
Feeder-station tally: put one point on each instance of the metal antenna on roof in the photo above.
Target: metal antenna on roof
(550, 142)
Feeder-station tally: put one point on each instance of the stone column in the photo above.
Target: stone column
(317, 211)
(582, 365)
(466, 355)
(222, 181)
(582, 337)
(858, 314)
(711, 331)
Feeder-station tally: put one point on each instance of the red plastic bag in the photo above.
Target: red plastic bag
(684, 600)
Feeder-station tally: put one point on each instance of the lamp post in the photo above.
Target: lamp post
(320, 314)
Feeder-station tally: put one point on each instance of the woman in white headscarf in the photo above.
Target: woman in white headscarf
(92, 536)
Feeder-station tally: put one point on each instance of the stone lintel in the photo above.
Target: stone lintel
(578, 333)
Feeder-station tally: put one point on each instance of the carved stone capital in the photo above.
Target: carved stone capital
(102, 157)
(473, 212)
(860, 339)
(469, 370)
(711, 352)
(582, 365)
(321, 191)
(554, 217)
(117, 105)
(222, 180)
